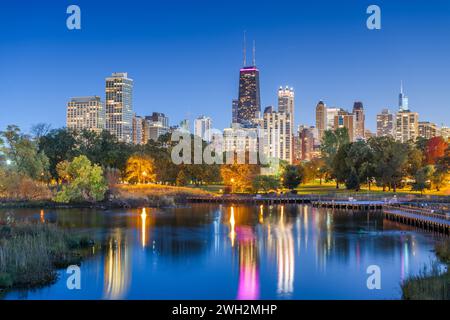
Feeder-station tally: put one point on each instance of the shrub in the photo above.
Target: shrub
(85, 181)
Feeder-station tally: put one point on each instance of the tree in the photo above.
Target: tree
(239, 176)
(24, 154)
(435, 149)
(85, 182)
(422, 178)
(390, 159)
(140, 169)
(331, 142)
(265, 183)
(292, 176)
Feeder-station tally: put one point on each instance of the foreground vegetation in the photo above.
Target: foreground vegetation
(65, 166)
(431, 284)
(31, 253)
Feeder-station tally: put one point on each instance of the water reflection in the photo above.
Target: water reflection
(117, 267)
(285, 256)
(238, 252)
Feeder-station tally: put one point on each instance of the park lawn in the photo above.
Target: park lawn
(327, 188)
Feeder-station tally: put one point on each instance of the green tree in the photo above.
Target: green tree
(24, 155)
(85, 182)
(422, 178)
(331, 142)
(390, 159)
(265, 183)
(292, 176)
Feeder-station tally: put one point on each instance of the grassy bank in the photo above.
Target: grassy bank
(433, 284)
(153, 195)
(30, 253)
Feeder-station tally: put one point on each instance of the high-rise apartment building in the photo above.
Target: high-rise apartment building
(428, 130)
(202, 128)
(345, 119)
(155, 126)
(406, 126)
(358, 111)
(307, 142)
(278, 135)
(331, 114)
(321, 119)
(286, 102)
(85, 113)
(138, 130)
(385, 123)
(119, 106)
(240, 140)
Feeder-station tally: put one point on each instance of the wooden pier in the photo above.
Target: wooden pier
(250, 200)
(349, 205)
(419, 218)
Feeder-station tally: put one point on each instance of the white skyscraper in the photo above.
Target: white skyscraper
(202, 128)
(278, 135)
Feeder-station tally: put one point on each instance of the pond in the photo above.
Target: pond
(205, 251)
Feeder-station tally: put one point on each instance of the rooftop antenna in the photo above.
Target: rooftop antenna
(401, 86)
(254, 53)
(245, 49)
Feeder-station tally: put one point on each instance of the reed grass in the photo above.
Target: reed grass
(30, 253)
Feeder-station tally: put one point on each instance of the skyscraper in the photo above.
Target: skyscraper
(345, 119)
(286, 102)
(402, 100)
(234, 111)
(85, 113)
(428, 130)
(155, 126)
(202, 128)
(406, 121)
(358, 111)
(278, 135)
(321, 119)
(385, 123)
(406, 126)
(331, 114)
(119, 106)
(249, 105)
(138, 126)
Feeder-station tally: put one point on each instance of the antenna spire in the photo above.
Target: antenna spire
(401, 86)
(245, 49)
(254, 53)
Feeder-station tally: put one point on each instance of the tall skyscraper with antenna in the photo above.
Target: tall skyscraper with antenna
(402, 99)
(249, 103)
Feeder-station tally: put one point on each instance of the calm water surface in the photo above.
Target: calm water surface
(242, 252)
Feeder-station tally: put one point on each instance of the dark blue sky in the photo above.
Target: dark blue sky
(185, 55)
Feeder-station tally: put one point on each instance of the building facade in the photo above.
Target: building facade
(138, 130)
(406, 126)
(202, 128)
(119, 106)
(249, 105)
(286, 102)
(155, 126)
(428, 130)
(345, 119)
(278, 135)
(358, 111)
(385, 123)
(321, 119)
(85, 113)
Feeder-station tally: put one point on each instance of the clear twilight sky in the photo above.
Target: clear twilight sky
(185, 55)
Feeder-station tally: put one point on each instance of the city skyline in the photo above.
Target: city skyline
(371, 77)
